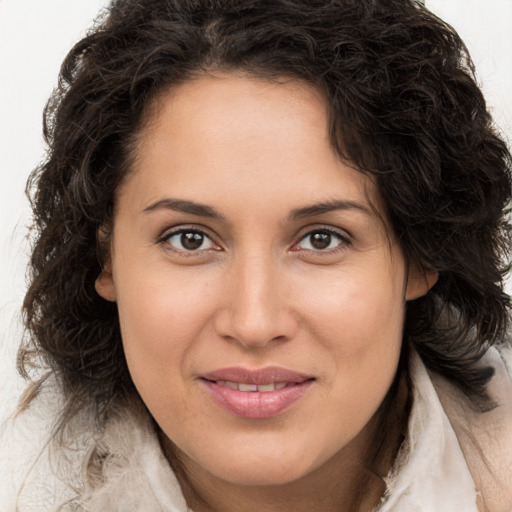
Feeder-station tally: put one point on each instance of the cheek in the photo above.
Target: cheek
(158, 306)
(358, 310)
(358, 322)
(161, 317)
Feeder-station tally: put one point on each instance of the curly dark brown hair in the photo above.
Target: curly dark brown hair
(404, 107)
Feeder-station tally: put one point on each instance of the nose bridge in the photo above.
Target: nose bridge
(259, 309)
(257, 290)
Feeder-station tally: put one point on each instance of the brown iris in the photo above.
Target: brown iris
(320, 239)
(192, 240)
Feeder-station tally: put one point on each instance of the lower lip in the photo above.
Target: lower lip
(257, 404)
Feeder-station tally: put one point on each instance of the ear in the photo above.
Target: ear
(104, 283)
(419, 282)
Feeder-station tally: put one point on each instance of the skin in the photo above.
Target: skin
(257, 292)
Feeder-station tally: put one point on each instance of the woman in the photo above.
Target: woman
(269, 262)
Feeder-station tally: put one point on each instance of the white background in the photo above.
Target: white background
(34, 38)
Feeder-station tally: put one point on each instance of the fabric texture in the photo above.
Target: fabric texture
(455, 462)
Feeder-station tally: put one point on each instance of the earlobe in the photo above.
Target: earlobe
(419, 283)
(104, 284)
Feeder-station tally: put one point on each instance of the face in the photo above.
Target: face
(261, 298)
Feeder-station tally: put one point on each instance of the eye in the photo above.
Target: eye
(322, 240)
(189, 240)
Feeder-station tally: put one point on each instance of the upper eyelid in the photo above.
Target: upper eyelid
(171, 231)
(342, 233)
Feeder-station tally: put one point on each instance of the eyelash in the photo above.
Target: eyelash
(344, 241)
(166, 237)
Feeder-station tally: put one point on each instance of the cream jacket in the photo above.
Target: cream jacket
(453, 460)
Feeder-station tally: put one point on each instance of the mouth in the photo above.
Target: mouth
(256, 394)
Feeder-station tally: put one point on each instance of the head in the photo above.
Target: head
(225, 105)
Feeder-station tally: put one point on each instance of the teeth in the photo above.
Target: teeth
(228, 384)
(267, 387)
(262, 388)
(247, 387)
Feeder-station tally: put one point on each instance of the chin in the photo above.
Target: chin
(263, 467)
(273, 473)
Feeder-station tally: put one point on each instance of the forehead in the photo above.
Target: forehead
(229, 136)
(235, 109)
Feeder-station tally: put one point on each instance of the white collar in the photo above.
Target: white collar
(430, 473)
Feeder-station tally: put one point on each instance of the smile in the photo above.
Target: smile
(256, 394)
(262, 388)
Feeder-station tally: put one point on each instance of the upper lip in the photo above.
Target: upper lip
(261, 376)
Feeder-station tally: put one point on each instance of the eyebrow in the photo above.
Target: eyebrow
(184, 206)
(202, 210)
(329, 206)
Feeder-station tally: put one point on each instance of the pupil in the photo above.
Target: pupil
(191, 241)
(320, 240)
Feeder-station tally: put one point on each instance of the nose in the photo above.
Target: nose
(258, 306)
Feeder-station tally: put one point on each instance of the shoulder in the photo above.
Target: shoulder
(454, 458)
(486, 438)
(116, 466)
(133, 472)
(430, 473)
(28, 477)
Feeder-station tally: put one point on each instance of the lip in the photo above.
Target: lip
(256, 404)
